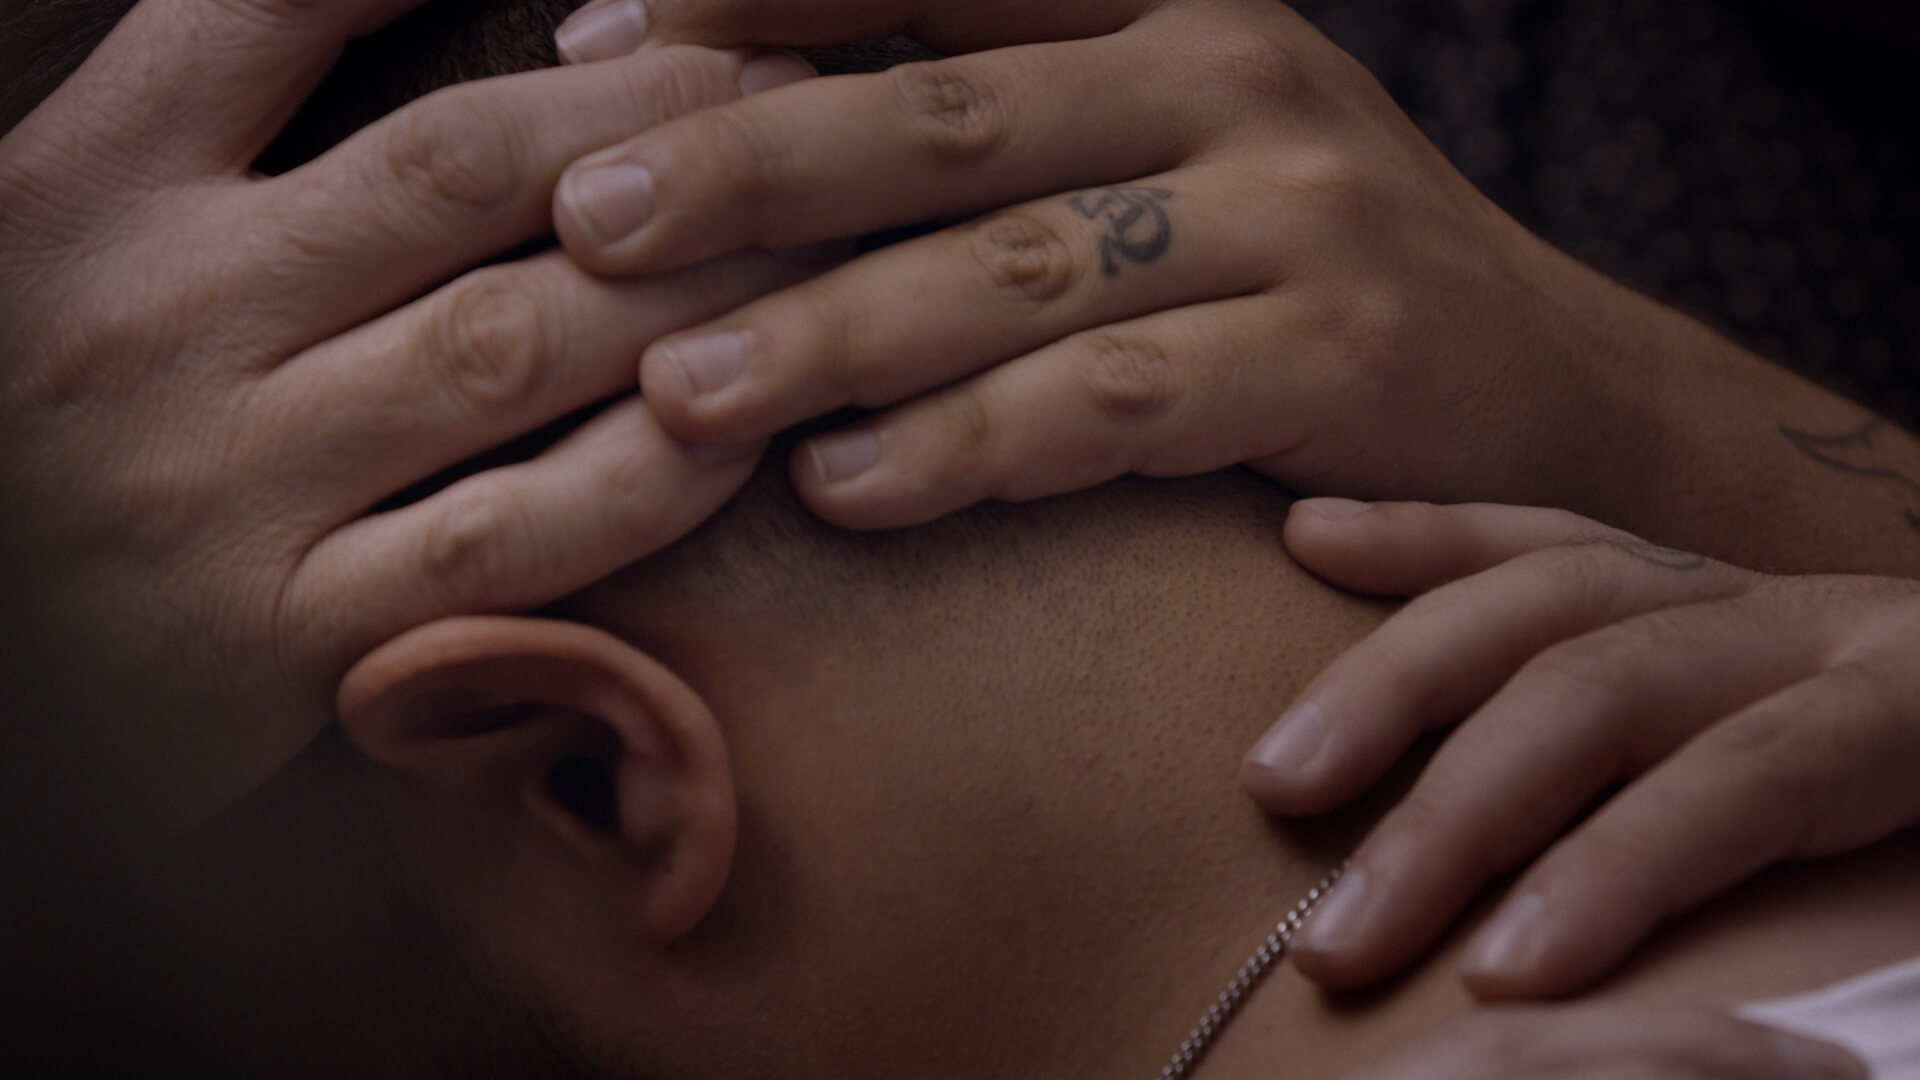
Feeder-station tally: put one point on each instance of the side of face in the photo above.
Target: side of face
(870, 791)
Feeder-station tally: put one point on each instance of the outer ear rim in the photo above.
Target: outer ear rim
(658, 718)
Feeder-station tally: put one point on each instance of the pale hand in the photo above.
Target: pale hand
(211, 380)
(1746, 719)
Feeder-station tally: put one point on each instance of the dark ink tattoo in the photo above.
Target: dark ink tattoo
(1853, 452)
(1665, 558)
(1138, 229)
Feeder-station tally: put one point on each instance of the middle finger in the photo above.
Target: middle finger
(492, 356)
(455, 178)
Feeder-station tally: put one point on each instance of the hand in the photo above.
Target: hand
(1268, 265)
(1261, 189)
(210, 377)
(1751, 718)
(1605, 1043)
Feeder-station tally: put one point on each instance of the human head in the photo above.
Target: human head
(786, 796)
(637, 838)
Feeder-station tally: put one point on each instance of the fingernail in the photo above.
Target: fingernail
(840, 457)
(1338, 920)
(715, 457)
(1293, 743)
(1511, 942)
(1336, 509)
(612, 201)
(602, 31)
(773, 71)
(1814, 1060)
(709, 363)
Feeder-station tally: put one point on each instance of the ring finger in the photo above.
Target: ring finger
(980, 294)
(492, 356)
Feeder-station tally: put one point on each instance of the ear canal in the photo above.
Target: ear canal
(587, 788)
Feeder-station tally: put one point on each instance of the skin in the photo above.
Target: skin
(1195, 234)
(168, 687)
(1274, 268)
(1752, 718)
(925, 879)
(193, 546)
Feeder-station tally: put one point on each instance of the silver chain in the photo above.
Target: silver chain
(1187, 1058)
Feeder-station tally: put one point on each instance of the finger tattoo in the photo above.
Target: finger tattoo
(1137, 228)
(1665, 558)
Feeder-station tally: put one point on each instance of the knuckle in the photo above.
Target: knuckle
(970, 425)
(677, 80)
(1024, 258)
(1260, 67)
(751, 157)
(1433, 817)
(1590, 672)
(952, 114)
(1345, 193)
(453, 150)
(487, 343)
(1586, 576)
(465, 553)
(1128, 378)
(1783, 757)
(839, 345)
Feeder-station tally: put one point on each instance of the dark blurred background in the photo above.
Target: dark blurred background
(1748, 160)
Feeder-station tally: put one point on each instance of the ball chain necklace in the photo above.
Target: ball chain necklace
(1207, 1031)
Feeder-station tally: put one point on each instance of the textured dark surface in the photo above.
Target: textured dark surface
(1752, 163)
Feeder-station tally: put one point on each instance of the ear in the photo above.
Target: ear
(548, 764)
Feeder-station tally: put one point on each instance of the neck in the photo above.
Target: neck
(1051, 872)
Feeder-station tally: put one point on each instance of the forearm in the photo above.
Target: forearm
(1698, 443)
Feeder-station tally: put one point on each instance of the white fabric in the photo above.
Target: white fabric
(1877, 1016)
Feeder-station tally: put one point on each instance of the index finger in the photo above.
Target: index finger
(947, 25)
(183, 87)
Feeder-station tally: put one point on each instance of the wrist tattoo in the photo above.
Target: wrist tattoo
(1666, 558)
(1857, 453)
(1137, 228)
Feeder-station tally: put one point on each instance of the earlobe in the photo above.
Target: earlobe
(528, 743)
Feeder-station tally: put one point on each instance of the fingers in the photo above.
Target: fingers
(510, 538)
(983, 293)
(1405, 549)
(603, 27)
(1167, 395)
(1821, 767)
(1449, 651)
(1580, 716)
(490, 357)
(1594, 1043)
(184, 86)
(920, 142)
(466, 173)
